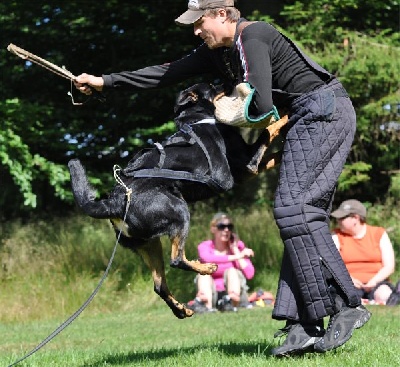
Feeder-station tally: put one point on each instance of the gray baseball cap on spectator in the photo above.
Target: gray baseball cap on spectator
(197, 8)
(349, 207)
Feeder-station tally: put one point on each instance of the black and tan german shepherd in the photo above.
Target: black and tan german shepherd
(201, 159)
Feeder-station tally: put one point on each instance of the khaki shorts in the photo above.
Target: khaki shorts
(218, 295)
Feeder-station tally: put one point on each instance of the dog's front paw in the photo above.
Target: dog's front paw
(208, 268)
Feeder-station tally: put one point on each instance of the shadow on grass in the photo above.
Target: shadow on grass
(229, 349)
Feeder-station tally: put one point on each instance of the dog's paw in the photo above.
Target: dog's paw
(181, 312)
(189, 312)
(208, 268)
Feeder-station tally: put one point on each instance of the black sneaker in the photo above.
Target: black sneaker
(197, 306)
(341, 326)
(299, 339)
(394, 298)
(225, 304)
(397, 287)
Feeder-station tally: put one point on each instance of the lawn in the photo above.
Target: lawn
(150, 335)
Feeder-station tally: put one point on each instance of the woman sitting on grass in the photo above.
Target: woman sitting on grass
(226, 288)
(367, 252)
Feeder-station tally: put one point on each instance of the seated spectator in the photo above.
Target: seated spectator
(366, 250)
(226, 288)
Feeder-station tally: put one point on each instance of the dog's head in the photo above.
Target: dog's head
(194, 104)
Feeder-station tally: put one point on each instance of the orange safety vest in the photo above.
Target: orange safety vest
(363, 257)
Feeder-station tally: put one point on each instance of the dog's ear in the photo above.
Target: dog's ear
(198, 93)
(185, 97)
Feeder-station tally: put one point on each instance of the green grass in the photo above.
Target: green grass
(149, 335)
(49, 268)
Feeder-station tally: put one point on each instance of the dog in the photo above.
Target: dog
(202, 159)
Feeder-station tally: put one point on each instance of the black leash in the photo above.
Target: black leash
(80, 310)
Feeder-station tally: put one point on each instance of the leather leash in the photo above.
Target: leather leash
(86, 303)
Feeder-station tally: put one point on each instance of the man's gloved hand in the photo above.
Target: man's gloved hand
(234, 109)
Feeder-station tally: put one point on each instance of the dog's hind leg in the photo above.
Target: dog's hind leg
(152, 255)
(178, 232)
(178, 258)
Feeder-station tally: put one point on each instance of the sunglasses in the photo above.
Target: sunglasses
(222, 226)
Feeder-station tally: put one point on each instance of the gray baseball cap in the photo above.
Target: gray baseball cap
(197, 8)
(349, 207)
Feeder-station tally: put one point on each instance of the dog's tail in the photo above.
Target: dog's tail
(85, 195)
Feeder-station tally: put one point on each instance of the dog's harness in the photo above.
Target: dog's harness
(161, 172)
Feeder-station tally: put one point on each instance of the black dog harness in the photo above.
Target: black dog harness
(160, 172)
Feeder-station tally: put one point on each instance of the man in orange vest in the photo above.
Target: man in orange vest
(366, 251)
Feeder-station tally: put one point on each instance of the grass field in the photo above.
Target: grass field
(150, 335)
(47, 275)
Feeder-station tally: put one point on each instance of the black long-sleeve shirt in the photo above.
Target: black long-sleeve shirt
(260, 55)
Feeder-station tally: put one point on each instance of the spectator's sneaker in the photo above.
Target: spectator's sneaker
(225, 304)
(198, 306)
(394, 298)
(341, 326)
(397, 288)
(299, 339)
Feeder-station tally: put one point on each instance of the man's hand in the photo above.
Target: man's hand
(84, 81)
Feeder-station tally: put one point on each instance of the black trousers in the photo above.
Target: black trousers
(322, 128)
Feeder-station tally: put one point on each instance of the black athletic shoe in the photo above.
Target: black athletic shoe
(299, 339)
(198, 306)
(397, 287)
(225, 304)
(341, 326)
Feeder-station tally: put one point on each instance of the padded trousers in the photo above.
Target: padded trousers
(322, 127)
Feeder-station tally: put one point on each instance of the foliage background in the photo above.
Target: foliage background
(40, 130)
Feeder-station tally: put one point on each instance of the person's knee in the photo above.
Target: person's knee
(231, 277)
(231, 273)
(293, 220)
(204, 281)
(290, 220)
(382, 294)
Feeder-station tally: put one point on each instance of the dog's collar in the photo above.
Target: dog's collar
(205, 121)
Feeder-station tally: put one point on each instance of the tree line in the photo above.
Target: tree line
(40, 129)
